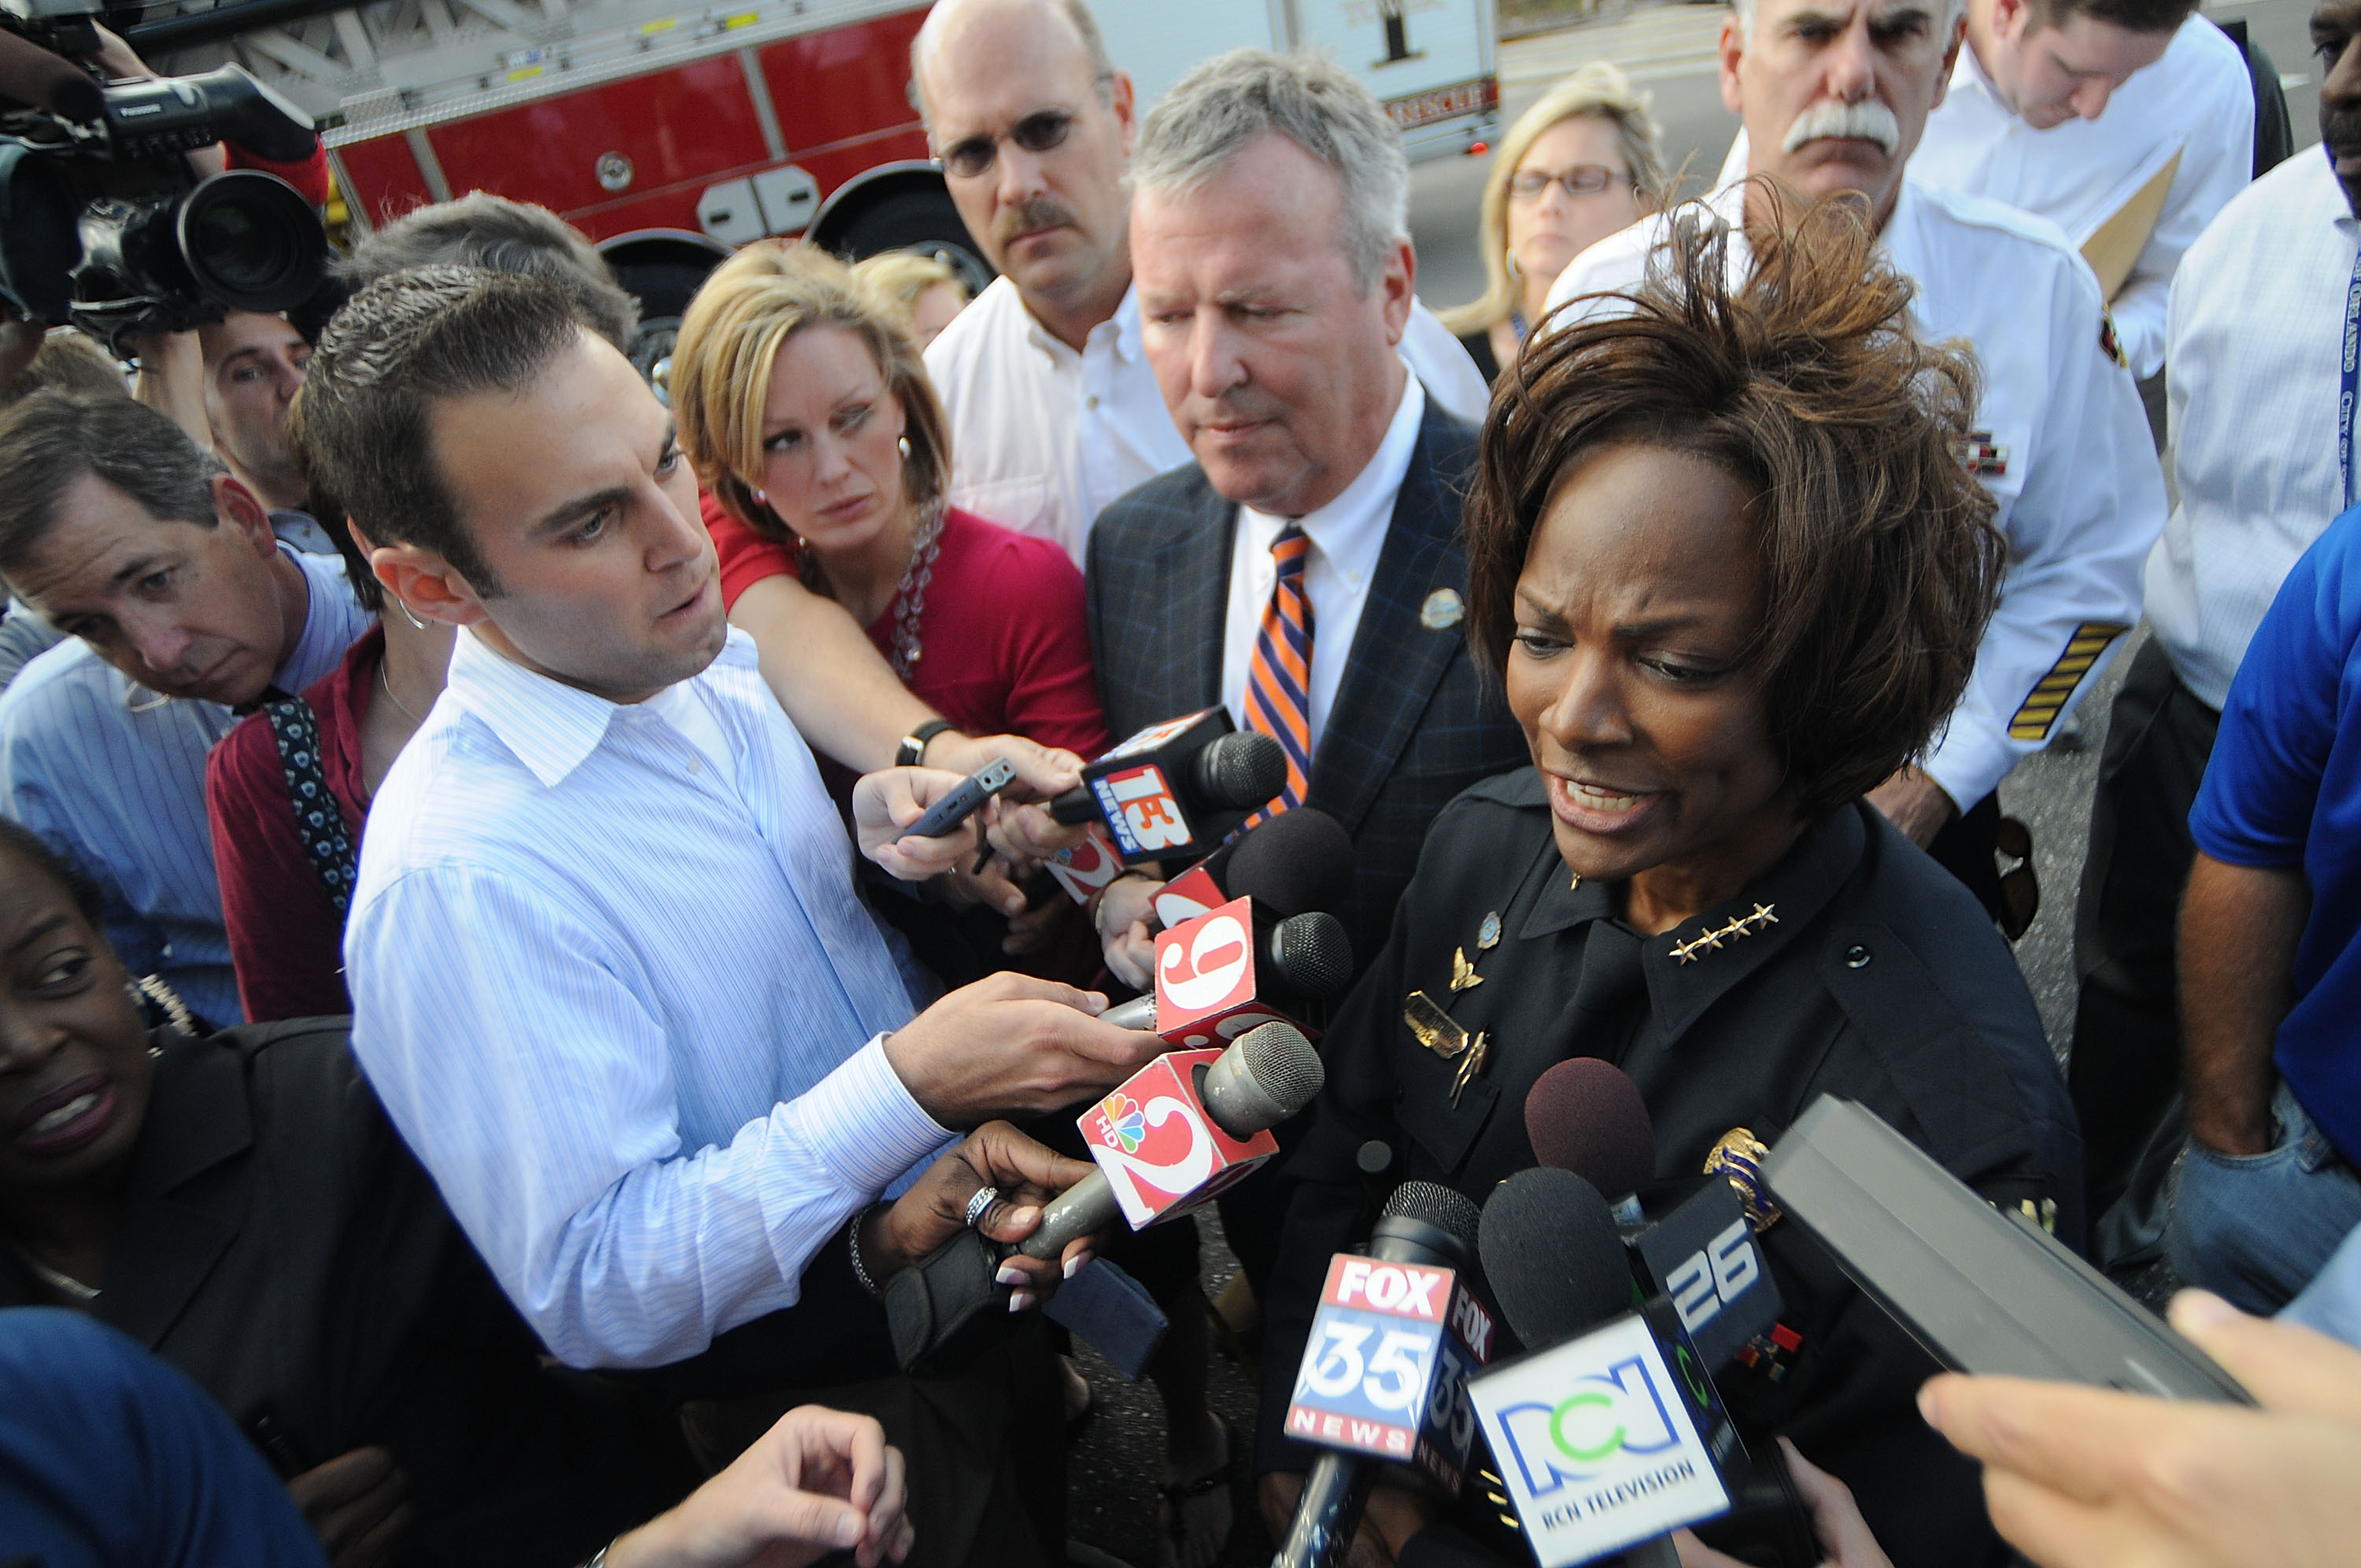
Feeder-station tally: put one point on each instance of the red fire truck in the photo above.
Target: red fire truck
(670, 132)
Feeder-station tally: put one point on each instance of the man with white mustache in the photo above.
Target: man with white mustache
(2127, 123)
(1835, 95)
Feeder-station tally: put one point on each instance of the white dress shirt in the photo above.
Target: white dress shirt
(1043, 438)
(613, 985)
(2080, 496)
(2256, 313)
(2197, 101)
(1347, 536)
(115, 774)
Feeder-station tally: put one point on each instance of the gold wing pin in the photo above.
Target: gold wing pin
(1462, 973)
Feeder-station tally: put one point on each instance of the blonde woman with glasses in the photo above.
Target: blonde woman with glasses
(1583, 163)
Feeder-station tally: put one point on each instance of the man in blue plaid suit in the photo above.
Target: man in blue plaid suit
(1271, 253)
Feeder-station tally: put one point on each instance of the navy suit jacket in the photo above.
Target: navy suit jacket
(1412, 725)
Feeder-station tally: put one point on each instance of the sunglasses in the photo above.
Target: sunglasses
(1582, 180)
(1041, 131)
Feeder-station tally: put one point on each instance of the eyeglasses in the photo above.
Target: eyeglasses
(1582, 180)
(1044, 130)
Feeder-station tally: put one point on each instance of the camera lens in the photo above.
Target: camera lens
(251, 242)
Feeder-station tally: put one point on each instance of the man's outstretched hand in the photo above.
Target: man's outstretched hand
(1011, 1043)
(820, 1481)
(2080, 1477)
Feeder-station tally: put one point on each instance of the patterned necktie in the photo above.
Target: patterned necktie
(1279, 683)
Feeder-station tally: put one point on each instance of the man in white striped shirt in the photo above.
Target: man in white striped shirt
(610, 973)
(182, 605)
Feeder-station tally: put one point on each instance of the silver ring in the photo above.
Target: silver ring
(985, 1197)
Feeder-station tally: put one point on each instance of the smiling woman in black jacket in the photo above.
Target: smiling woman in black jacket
(240, 1206)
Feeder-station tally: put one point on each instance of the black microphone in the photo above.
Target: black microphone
(1551, 1255)
(1300, 861)
(1384, 1375)
(1176, 789)
(1267, 1076)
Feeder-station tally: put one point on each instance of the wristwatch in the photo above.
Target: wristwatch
(913, 749)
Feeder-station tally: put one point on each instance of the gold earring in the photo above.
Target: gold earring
(901, 443)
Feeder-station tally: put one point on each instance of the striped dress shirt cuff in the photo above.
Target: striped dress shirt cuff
(861, 1122)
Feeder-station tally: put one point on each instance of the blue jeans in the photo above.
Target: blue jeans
(2253, 1229)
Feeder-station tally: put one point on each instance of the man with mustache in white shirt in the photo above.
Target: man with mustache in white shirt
(2126, 123)
(1836, 95)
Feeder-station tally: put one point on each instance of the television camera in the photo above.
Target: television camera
(103, 220)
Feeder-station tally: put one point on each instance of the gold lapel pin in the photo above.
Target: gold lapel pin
(1432, 1027)
(1462, 973)
(1469, 1066)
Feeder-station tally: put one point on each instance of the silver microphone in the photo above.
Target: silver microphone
(1268, 1074)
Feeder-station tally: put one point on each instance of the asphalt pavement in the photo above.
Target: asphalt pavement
(1670, 50)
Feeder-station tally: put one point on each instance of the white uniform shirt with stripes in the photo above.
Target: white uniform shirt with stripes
(2059, 440)
(615, 996)
(2196, 104)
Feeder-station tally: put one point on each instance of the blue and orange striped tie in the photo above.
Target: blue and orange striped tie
(1279, 683)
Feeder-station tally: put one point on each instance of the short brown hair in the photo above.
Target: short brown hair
(731, 337)
(402, 344)
(480, 229)
(1880, 562)
(51, 440)
(70, 362)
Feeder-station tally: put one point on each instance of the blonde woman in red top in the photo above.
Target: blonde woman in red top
(824, 453)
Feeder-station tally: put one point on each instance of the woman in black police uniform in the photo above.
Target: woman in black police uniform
(1724, 558)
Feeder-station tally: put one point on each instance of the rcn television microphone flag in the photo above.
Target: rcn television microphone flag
(1613, 1438)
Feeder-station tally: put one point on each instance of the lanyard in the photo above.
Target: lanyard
(2346, 392)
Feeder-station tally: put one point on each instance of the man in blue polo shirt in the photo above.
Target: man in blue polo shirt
(2271, 950)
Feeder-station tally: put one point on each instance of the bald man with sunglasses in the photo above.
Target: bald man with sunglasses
(1053, 406)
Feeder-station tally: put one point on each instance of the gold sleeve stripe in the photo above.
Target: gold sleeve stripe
(2041, 709)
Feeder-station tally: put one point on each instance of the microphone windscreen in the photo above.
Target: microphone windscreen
(1283, 1064)
(1312, 954)
(1431, 1203)
(1297, 861)
(1551, 1255)
(1585, 1115)
(1242, 769)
